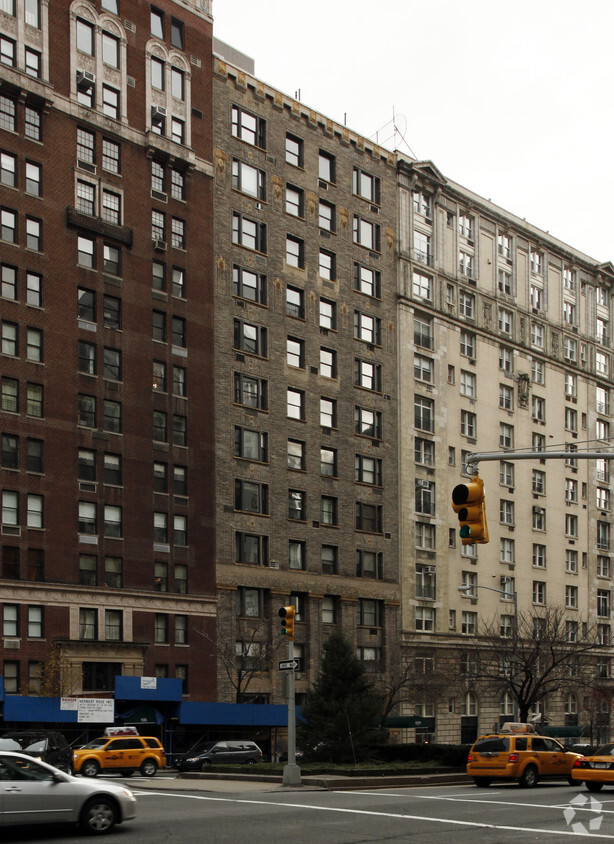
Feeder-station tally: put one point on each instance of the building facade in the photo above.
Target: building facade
(107, 465)
(306, 369)
(505, 344)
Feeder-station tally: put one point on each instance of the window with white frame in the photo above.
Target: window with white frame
(504, 282)
(468, 424)
(422, 286)
(467, 384)
(507, 550)
(538, 372)
(538, 482)
(467, 344)
(539, 592)
(536, 297)
(602, 363)
(536, 259)
(505, 321)
(571, 525)
(506, 473)
(506, 511)
(538, 409)
(571, 561)
(466, 304)
(506, 359)
(537, 335)
(506, 397)
(538, 518)
(506, 435)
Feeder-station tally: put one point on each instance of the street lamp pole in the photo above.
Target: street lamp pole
(466, 589)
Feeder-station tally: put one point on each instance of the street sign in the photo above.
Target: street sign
(289, 664)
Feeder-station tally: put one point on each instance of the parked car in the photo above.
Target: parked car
(525, 757)
(595, 770)
(33, 792)
(46, 745)
(228, 752)
(122, 754)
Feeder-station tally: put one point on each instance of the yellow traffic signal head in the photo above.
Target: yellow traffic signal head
(287, 621)
(468, 503)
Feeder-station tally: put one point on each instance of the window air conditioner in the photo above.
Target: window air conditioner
(160, 245)
(428, 570)
(158, 115)
(85, 80)
(423, 484)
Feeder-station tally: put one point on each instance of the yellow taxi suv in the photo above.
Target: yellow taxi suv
(122, 754)
(596, 770)
(525, 757)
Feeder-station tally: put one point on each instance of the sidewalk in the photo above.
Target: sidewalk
(268, 783)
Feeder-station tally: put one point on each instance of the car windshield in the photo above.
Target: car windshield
(202, 747)
(605, 750)
(9, 744)
(37, 746)
(97, 742)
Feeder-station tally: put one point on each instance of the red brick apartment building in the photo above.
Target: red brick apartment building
(107, 403)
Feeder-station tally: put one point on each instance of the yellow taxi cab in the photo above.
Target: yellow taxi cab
(121, 753)
(595, 770)
(518, 753)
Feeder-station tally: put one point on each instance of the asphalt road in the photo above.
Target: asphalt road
(256, 813)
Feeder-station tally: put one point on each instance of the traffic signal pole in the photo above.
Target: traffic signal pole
(481, 456)
(292, 772)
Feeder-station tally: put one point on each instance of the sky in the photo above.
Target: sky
(514, 101)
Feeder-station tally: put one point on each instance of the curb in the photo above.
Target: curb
(333, 783)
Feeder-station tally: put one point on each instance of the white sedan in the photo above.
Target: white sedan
(33, 792)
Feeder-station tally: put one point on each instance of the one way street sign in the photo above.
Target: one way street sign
(289, 665)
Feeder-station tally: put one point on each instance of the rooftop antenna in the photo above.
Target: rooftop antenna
(394, 131)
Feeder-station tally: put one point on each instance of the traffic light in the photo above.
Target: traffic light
(287, 622)
(468, 503)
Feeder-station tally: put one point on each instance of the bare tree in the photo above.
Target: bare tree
(245, 655)
(545, 652)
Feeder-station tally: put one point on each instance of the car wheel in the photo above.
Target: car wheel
(482, 782)
(90, 768)
(149, 767)
(204, 765)
(250, 761)
(99, 815)
(64, 766)
(529, 777)
(594, 786)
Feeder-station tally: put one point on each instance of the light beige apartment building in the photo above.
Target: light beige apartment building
(505, 343)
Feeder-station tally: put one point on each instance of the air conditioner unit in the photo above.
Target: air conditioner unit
(273, 564)
(160, 245)
(85, 80)
(158, 115)
(428, 569)
(423, 484)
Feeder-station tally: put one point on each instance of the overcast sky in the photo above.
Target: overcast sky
(513, 101)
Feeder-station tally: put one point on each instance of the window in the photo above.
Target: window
(9, 339)
(467, 344)
(328, 510)
(424, 413)
(537, 336)
(112, 521)
(295, 352)
(425, 497)
(250, 444)
(294, 150)
(9, 282)
(110, 49)
(111, 260)
(424, 451)
(8, 225)
(294, 201)
(367, 328)
(366, 186)
(422, 204)
(112, 469)
(110, 102)
(570, 349)
(571, 491)
(251, 497)
(10, 507)
(296, 455)
(425, 619)
(180, 530)
(7, 114)
(328, 363)
(160, 628)
(157, 22)
(329, 609)
(177, 34)
(33, 121)
(539, 592)
(467, 384)
(87, 517)
(9, 395)
(327, 265)
(328, 413)
(88, 575)
(112, 364)
(538, 409)
(571, 561)
(367, 375)
(506, 512)
(506, 551)
(177, 83)
(249, 338)
(110, 156)
(423, 368)
(10, 452)
(85, 251)
(248, 127)
(466, 265)
(297, 504)
(328, 462)
(602, 364)
(112, 416)
(469, 622)
(326, 166)
(366, 233)
(466, 304)
(34, 400)
(248, 233)
(328, 314)
(571, 526)
(248, 179)
(180, 430)
(506, 397)
(34, 515)
(295, 404)
(295, 252)
(538, 516)
(536, 262)
(603, 498)
(504, 282)
(603, 602)
(249, 391)
(569, 313)
(34, 234)
(571, 597)
(367, 423)
(367, 281)
(468, 424)
(160, 535)
(179, 381)
(326, 216)
(329, 558)
(369, 517)
(113, 625)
